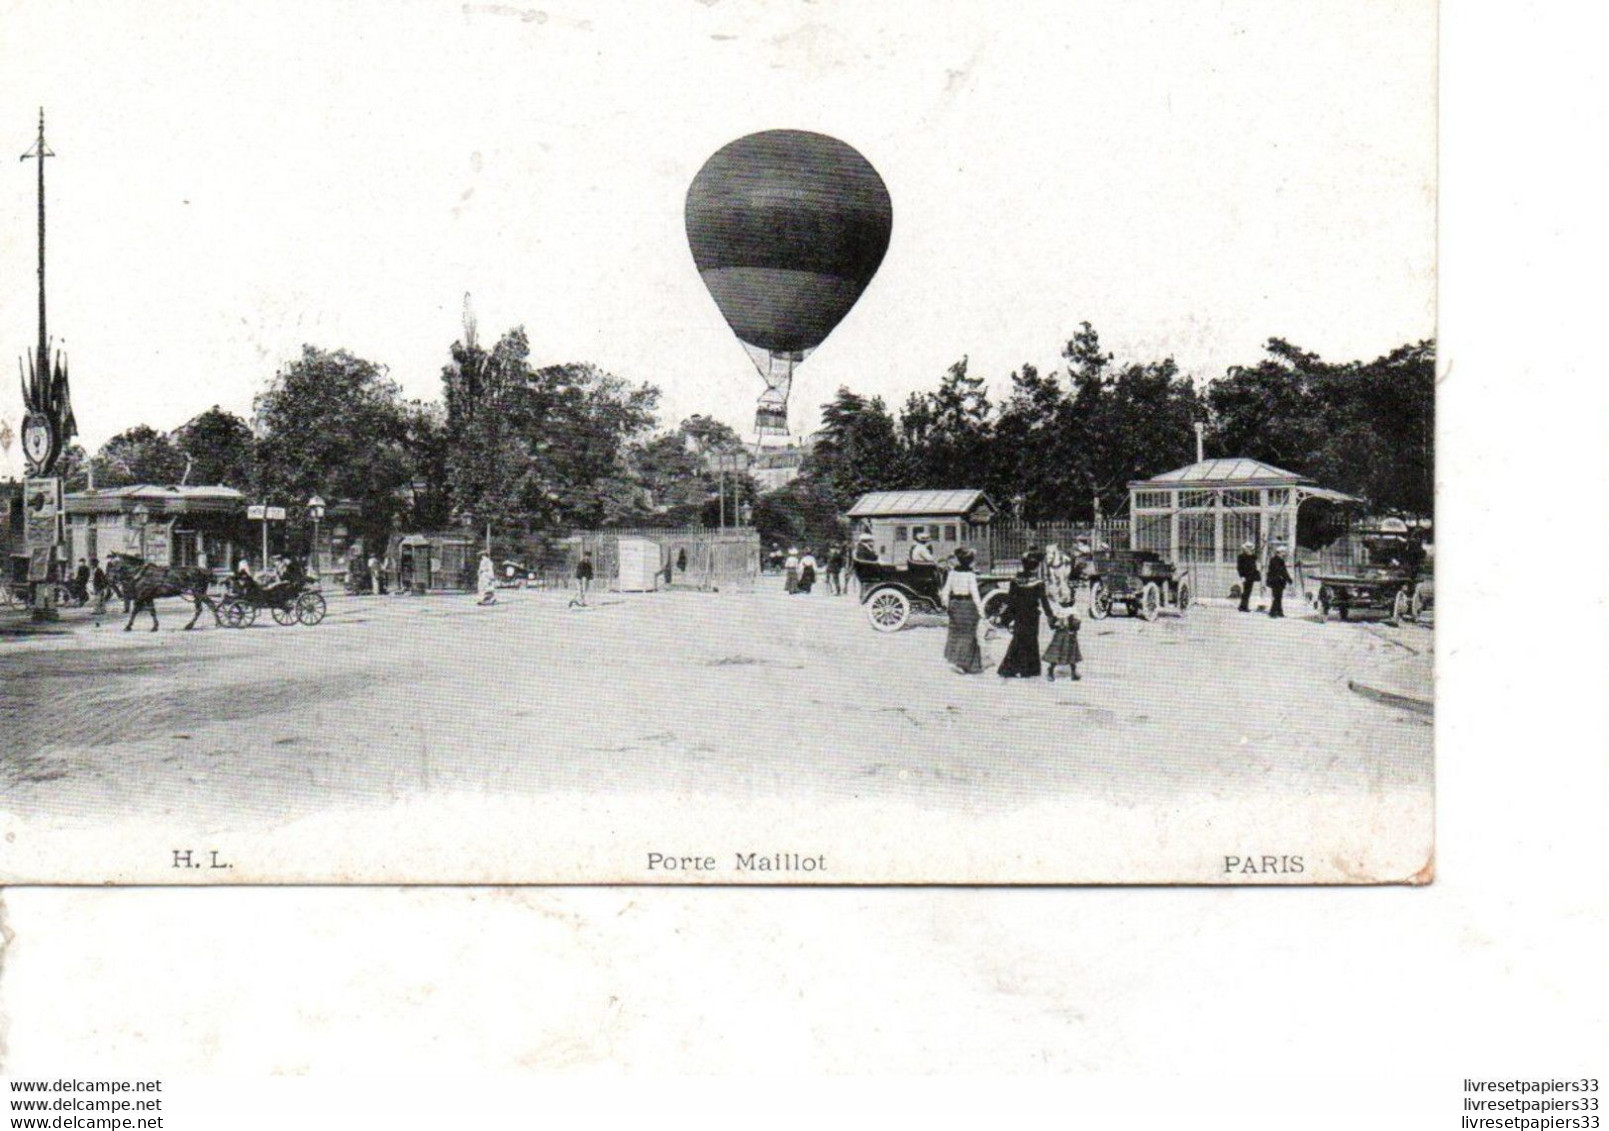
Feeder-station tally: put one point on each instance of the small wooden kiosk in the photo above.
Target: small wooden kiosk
(433, 561)
(951, 518)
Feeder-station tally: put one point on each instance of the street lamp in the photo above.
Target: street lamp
(141, 514)
(315, 511)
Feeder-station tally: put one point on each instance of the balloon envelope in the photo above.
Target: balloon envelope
(787, 228)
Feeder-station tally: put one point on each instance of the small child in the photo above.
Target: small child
(1063, 648)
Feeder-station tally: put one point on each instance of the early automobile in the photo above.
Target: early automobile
(893, 594)
(1139, 580)
(1394, 579)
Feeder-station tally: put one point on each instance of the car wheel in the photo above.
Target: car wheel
(888, 610)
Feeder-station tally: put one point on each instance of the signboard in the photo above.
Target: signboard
(157, 550)
(259, 513)
(276, 514)
(44, 514)
(39, 558)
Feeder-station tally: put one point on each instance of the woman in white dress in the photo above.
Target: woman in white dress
(487, 579)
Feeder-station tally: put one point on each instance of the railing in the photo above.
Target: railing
(1009, 540)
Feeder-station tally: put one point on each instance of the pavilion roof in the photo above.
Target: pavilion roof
(1238, 472)
(880, 504)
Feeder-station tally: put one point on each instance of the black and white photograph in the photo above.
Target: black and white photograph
(719, 444)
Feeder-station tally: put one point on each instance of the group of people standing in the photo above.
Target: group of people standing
(800, 571)
(89, 583)
(1034, 590)
(1279, 577)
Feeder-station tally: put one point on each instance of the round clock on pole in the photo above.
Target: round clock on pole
(38, 440)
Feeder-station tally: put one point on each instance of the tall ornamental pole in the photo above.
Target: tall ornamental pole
(47, 426)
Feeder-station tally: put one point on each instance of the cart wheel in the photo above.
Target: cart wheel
(285, 614)
(1401, 607)
(994, 607)
(1182, 596)
(310, 608)
(1100, 602)
(888, 610)
(1150, 601)
(236, 613)
(10, 597)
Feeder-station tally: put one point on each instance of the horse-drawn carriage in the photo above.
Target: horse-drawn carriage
(1137, 579)
(290, 602)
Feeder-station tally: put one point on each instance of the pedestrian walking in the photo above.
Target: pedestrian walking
(1250, 575)
(807, 572)
(97, 584)
(965, 607)
(374, 575)
(835, 570)
(1025, 600)
(1278, 578)
(583, 580)
(790, 571)
(81, 582)
(486, 579)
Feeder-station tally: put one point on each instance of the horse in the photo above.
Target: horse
(140, 583)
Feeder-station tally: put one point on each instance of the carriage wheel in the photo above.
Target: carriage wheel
(888, 610)
(285, 614)
(1150, 601)
(1100, 602)
(310, 608)
(1182, 596)
(236, 613)
(1417, 606)
(1401, 607)
(995, 604)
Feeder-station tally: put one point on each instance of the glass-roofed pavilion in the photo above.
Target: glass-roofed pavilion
(1200, 515)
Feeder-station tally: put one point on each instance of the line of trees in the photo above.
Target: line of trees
(530, 449)
(1060, 441)
(520, 448)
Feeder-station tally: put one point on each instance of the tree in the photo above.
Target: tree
(486, 461)
(1365, 428)
(73, 467)
(581, 424)
(334, 425)
(541, 448)
(856, 450)
(947, 432)
(1028, 452)
(425, 441)
(138, 455)
(221, 449)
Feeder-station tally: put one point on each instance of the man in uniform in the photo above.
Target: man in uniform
(1250, 575)
(1278, 578)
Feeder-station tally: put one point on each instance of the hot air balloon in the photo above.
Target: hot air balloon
(787, 228)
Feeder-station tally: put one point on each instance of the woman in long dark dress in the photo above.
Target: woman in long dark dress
(1024, 601)
(961, 648)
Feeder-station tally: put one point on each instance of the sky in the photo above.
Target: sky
(233, 181)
